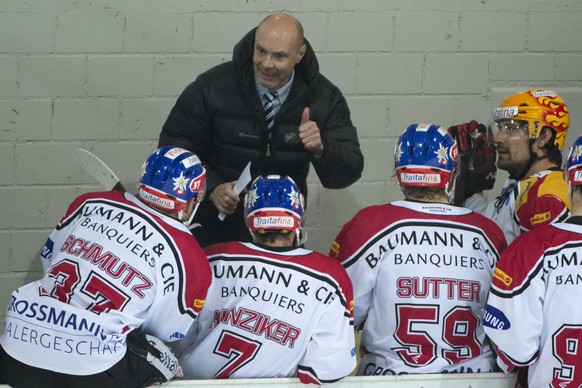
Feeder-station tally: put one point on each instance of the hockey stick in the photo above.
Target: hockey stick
(95, 167)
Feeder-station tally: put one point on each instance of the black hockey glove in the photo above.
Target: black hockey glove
(478, 156)
(154, 360)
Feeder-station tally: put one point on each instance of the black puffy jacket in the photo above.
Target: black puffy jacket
(220, 118)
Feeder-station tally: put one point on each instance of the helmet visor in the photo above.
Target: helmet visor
(511, 127)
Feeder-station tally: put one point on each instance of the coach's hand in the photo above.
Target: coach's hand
(310, 134)
(224, 198)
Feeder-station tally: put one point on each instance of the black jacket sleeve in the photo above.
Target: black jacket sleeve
(189, 126)
(342, 162)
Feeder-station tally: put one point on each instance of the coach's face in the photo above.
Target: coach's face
(278, 48)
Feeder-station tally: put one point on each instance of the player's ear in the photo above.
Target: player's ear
(545, 137)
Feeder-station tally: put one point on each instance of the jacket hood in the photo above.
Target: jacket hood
(242, 58)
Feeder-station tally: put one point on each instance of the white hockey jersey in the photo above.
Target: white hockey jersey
(273, 312)
(532, 202)
(111, 265)
(532, 314)
(421, 273)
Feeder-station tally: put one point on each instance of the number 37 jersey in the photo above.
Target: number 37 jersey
(421, 273)
(111, 265)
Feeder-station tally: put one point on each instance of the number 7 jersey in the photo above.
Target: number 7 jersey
(421, 273)
(273, 312)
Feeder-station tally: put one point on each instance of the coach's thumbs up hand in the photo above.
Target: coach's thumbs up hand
(310, 134)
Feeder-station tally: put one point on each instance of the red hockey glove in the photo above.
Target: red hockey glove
(462, 134)
(478, 156)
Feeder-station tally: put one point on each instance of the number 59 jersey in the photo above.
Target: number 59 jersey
(421, 273)
(533, 314)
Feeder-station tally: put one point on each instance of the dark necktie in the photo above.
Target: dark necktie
(269, 111)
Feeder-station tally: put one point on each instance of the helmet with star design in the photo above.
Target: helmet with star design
(425, 155)
(173, 181)
(273, 203)
(573, 164)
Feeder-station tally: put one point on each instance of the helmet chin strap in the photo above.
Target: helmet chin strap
(253, 236)
(189, 221)
(450, 193)
(301, 237)
(532, 159)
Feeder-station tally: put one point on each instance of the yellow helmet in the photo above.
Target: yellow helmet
(539, 108)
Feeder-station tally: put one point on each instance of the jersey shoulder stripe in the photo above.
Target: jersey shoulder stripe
(308, 376)
(309, 263)
(426, 230)
(512, 362)
(373, 224)
(190, 262)
(530, 256)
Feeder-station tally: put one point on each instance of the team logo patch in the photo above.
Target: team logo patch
(505, 112)
(575, 153)
(335, 247)
(397, 153)
(505, 278)
(273, 222)
(199, 303)
(442, 154)
(495, 318)
(544, 93)
(251, 198)
(454, 152)
(47, 250)
(295, 198)
(291, 138)
(180, 183)
(174, 153)
(540, 218)
(161, 202)
(177, 335)
(196, 184)
(420, 178)
(190, 161)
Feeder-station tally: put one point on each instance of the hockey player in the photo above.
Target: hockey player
(274, 309)
(123, 274)
(421, 268)
(532, 128)
(530, 315)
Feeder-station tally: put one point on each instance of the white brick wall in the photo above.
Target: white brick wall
(104, 75)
